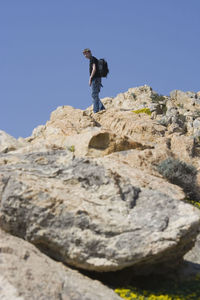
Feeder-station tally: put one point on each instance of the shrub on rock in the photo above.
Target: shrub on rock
(180, 173)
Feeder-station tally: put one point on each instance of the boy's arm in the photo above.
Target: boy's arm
(92, 74)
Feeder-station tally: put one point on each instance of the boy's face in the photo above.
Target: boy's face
(87, 54)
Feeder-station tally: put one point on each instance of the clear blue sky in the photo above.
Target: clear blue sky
(153, 42)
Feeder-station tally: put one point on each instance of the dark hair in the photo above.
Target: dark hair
(86, 50)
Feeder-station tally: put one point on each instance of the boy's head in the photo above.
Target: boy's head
(87, 53)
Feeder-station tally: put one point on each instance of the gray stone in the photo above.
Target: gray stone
(196, 133)
(197, 101)
(196, 123)
(191, 264)
(89, 216)
(190, 94)
(153, 106)
(173, 117)
(193, 254)
(27, 274)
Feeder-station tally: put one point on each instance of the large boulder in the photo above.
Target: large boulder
(27, 274)
(92, 216)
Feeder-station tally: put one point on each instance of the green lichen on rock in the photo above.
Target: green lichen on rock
(71, 148)
(144, 110)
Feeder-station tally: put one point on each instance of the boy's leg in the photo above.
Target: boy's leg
(96, 87)
(95, 95)
(101, 106)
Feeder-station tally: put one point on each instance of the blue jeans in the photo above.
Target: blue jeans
(96, 87)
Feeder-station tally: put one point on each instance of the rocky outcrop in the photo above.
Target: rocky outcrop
(135, 99)
(64, 121)
(89, 215)
(85, 189)
(26, 274)
(138, 119)
(186, 100)
(9, 143)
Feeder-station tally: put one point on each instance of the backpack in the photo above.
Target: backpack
(103, 67)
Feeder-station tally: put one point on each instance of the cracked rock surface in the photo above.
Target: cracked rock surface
(85, 214)
(27, 274)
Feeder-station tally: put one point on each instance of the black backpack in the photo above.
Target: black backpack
(103, 67)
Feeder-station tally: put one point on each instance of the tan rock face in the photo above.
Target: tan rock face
(70, 120)
(96, 142)
(64, 121)
(26, 274)
(138, 127)
(118, 128)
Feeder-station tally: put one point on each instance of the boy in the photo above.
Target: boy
(94, 80)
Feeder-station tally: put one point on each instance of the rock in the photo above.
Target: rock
(189, 117)
(184, 100)
(26, 273)
(197, 134)
(85, 189)
(64, 121)
(197, 102)
(92, 142)
(70, 120)
(134, 99)
(37, 132)
(141, 129)
(72, 127)
(196, 123)
(139, 175)
(191, 264)
(175, 121)
(193, 255)
(196, 126)
(183, 147)
(89, 215)
(117, 130)
(95, 142)
(8, 143)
